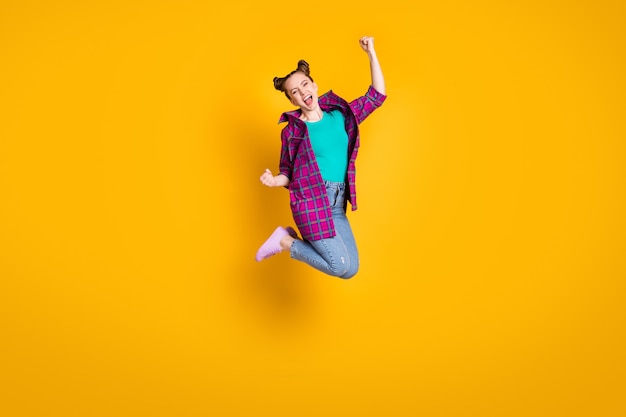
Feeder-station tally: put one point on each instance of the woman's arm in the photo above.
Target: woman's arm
(378, 81)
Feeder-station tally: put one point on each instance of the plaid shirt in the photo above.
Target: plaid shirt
(307, 193)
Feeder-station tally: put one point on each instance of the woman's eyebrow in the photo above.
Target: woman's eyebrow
(301, 82)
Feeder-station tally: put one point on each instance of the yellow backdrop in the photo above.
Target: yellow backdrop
(491, 220)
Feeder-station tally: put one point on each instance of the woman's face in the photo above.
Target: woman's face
(302, 90)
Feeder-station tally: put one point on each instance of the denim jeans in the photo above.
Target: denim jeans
(337, 256)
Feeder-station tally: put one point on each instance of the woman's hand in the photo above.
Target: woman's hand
(274, 181)
(367, 43)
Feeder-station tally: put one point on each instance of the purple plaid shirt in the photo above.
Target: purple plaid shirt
(307, 193)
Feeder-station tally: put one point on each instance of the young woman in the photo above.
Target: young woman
(317, 164)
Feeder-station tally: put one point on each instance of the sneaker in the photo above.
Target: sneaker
(272, 245)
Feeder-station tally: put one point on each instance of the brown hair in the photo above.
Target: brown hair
(279, 82)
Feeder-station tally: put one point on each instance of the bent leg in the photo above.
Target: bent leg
(326, 255)
(336, 256)
(344, 232)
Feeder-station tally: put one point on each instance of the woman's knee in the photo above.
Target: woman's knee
(341, 267)
(343, 270)
(350, 272)
(338, 271)
(350, 264)
(351, 268)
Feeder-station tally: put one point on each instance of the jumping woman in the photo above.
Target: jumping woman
(317, 165)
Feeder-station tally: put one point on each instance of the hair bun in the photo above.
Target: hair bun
(304, 67)
(278, 83)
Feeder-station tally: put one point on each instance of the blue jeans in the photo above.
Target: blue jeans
(336, 256)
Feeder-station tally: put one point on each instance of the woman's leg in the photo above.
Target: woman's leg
(344, 231)
(336, 256)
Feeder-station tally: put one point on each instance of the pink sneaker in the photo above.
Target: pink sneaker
(272, 245)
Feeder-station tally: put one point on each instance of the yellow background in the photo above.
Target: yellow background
(491, 220)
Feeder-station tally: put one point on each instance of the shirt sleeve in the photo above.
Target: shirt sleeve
(286, 164)
(365, 105)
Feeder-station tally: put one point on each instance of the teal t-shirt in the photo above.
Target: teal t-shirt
(329, 140)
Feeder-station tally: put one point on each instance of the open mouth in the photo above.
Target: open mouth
(308, 100)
